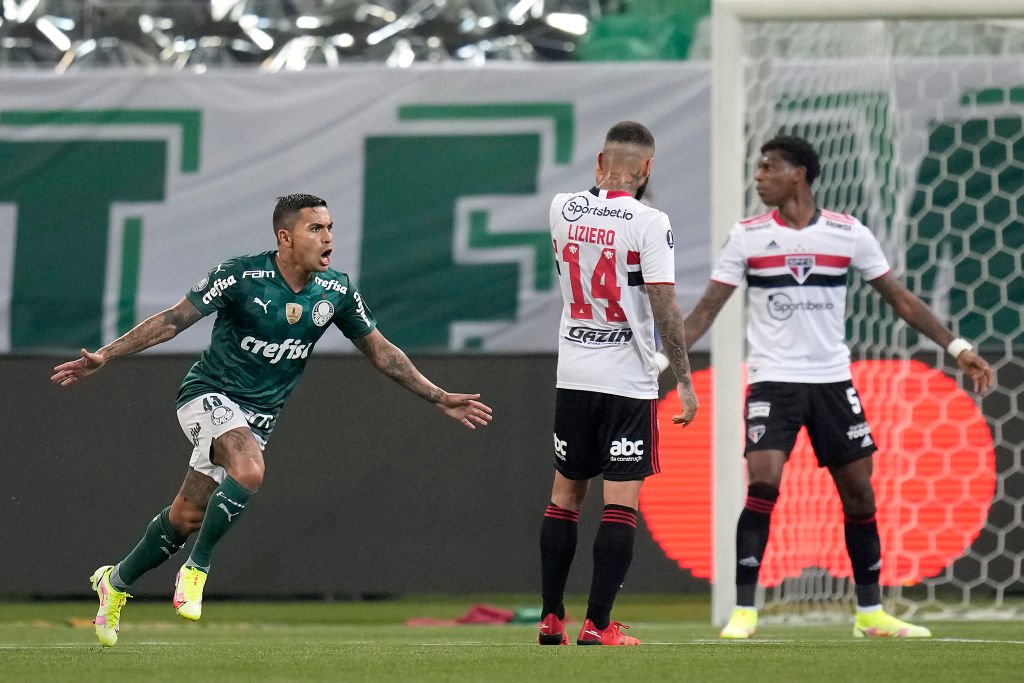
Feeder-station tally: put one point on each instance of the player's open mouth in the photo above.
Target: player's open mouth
(325, 258)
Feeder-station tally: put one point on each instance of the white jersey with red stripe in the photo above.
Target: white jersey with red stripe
(607, 246)
(796, 289)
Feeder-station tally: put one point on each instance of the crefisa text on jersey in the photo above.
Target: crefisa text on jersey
(330, 285)
(292, 349)
(585, 233)
(218, 287)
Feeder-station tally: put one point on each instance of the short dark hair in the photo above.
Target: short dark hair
(630, 132)
(796, 151)
(290, 204)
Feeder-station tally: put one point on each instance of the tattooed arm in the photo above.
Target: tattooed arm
(669, 321)
(154, 330)
(393, 362)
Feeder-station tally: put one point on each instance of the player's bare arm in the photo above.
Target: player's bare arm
(668, 319)
(707, 309)
(909, 306)
(154, 330)
(392, 361)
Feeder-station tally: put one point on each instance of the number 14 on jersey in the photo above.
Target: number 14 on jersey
(603, 284)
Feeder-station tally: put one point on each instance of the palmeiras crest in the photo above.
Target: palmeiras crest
(800, 266)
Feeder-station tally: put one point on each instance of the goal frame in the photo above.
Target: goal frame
(728, 160)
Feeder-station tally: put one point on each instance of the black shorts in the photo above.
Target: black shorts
(605, 434)
(833, 414)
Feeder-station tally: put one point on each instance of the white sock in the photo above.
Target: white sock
(864, 609)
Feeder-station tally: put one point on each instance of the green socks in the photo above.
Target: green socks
(226, 504)
(160, 541)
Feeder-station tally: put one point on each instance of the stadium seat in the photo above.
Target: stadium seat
(647, 30)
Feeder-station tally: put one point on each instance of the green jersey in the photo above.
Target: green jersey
(264, 332)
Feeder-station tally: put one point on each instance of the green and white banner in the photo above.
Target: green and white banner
(118, 191)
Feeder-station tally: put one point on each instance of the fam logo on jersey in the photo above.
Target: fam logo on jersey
(322, 313)
(588, 336)
(800, 266)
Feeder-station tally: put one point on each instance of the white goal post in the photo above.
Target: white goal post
(734, 140)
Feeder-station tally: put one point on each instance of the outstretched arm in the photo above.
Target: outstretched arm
(669, 321)
(154, 330)
(392, 361)
(909, 307)
(706, 310)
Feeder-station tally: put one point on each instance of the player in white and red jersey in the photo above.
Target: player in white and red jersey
(616, 268)
(608, 246)
(795, 260)
(796, 288)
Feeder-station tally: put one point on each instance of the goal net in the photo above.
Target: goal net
(916, 110)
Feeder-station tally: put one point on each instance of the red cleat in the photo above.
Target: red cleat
(591, 635)
(552, 631)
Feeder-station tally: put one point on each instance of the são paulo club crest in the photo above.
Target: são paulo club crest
(800, 266)
(755, 432)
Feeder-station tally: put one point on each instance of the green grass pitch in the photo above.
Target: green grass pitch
(368, 641)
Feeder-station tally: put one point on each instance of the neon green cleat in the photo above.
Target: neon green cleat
(742, 624)
(108, 616)
(188, 592)
(878, 624)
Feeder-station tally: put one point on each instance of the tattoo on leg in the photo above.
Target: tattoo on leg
(228, 447)
(197, 488)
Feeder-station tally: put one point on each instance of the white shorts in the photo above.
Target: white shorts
(205, 418)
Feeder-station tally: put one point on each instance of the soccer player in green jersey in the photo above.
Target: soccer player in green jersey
(271, 310)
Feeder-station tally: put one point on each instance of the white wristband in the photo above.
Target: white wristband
(958, 346)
